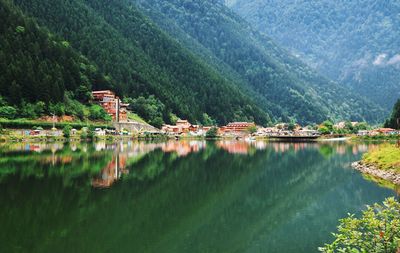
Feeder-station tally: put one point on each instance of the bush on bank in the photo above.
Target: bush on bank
(378, 231)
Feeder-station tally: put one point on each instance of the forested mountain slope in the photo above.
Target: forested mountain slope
(355, 42)
(206, 61)
(292, 88)
(36, 66)
(142, 60)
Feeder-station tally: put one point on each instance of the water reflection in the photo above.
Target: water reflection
(189, 196)
(122, 155)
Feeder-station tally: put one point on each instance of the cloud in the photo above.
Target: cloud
(384, 60)
(395, 59)
(380, 60)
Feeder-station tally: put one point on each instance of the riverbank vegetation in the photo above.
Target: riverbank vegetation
(377, 230)
(386, 157)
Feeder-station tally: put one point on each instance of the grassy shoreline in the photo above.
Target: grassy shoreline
(381, 165)
(29, 124)
(385, 157)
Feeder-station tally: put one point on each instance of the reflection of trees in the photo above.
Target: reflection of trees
(65, 164)
(209, 201)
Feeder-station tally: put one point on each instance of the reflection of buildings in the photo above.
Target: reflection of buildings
(234, 147)
(112, 172)
(183, 148)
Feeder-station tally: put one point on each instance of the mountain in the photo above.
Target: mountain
(138, 58)
(354, 42)
(196, 59)
(287, 87)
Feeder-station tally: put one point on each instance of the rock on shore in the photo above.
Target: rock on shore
(389, 175)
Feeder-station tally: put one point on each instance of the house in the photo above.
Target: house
(99, 132)
(111, 104)
(385, 131)
(237, 127)
(181, 126)
(362, 133)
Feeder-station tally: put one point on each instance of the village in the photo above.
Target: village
(123, 126)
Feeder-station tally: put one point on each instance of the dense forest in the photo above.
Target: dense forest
(41, 74)
(143, 61)
(293, 90)
(354, 42)
(394, 120)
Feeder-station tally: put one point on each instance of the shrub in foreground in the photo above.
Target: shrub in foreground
(378, 230)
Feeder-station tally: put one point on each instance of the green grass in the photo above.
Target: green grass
(24, 123)
(385, 156)
(135, 117)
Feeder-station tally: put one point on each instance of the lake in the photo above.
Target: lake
(178, 196)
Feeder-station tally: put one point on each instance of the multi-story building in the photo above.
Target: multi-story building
(237, 127)
(111, 104)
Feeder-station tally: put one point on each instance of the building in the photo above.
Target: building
(111, 104)
(235, 127)
(384, 131)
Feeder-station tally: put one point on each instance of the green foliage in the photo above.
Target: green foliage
(90, 132)
(8, 112)
(394, 120)
(212, 133)
(378, 230)
(150, 109)
(251, 129)
(96, 112)
(326, 127)
(207, 120)
(67, 131)
(37, 66)
(385, 156)
(291, 126)
(173, 118)
(24, 124)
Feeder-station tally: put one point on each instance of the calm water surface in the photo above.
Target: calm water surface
(188, 196)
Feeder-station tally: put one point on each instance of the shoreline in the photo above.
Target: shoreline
(370, 169)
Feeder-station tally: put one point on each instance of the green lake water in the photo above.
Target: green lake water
(189, 196)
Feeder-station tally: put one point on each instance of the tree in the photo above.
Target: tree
(157, 122)
(392, 122)
(27, 110)
(376, 231)
(83, 94)
(207, 120)
(291, 126)
(96, 112)
(251, 129)
(326, 127)
(8, 112)
(324, 130)
(67, 131)
(212, 132)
